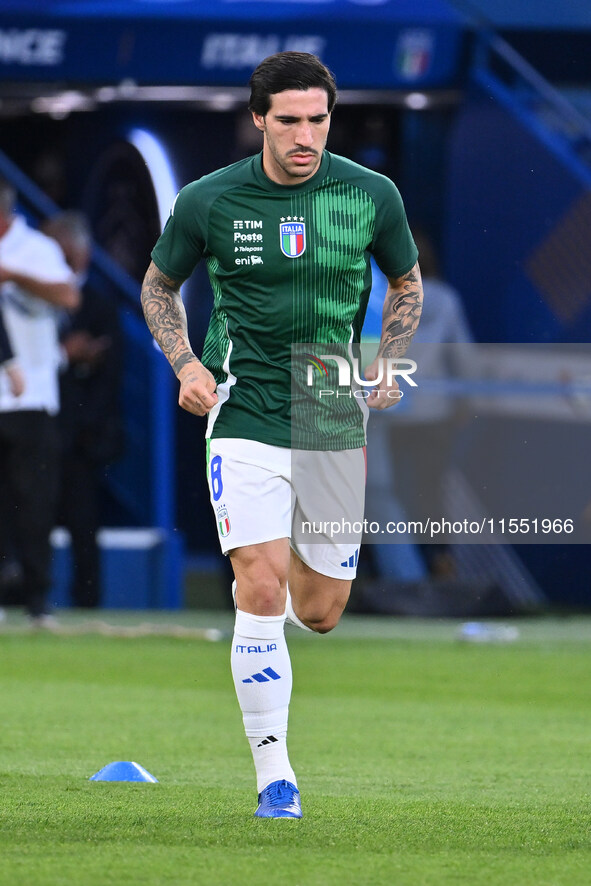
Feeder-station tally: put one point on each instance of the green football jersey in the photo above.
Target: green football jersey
(287, 264)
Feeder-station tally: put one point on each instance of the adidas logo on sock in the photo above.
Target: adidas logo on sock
(260, 678)
(268, 740)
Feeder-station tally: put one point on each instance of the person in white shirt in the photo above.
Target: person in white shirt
(409, 446)
(35, 283)
(7, 362)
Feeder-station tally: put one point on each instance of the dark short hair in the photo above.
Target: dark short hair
(289, 70)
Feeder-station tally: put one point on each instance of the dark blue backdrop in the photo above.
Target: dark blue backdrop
(367, 43)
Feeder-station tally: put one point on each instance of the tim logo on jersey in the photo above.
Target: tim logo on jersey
(292, 238)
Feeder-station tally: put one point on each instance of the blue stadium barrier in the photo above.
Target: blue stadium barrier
(141, 568)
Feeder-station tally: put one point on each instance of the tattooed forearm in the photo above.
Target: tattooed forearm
(397, 347)
(181, 361)
(166, 318)
(402, 311)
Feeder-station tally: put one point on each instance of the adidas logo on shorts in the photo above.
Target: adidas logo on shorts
(353, 559)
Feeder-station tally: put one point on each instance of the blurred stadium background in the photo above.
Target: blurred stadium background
(480, 111)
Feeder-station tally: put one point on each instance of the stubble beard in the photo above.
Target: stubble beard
(289, 171)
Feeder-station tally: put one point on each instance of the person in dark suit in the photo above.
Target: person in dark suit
(90, 420)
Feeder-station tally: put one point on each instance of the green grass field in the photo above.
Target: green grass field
(421, 760)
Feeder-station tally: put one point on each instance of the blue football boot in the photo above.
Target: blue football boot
(280, 799)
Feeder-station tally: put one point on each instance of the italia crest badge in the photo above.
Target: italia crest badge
(292, 237)
(223, 521)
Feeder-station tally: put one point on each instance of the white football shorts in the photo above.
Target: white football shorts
(315, 499)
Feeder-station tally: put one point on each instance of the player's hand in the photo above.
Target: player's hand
(383, 395)
(16, 380)
(197, 394)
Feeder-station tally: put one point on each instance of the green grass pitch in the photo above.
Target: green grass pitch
(421, 760)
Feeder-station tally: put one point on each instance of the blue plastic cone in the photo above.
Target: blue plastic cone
(123, 771)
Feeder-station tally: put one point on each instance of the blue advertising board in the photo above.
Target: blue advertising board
(372, 44)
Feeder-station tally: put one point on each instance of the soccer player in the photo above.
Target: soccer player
(287, 237)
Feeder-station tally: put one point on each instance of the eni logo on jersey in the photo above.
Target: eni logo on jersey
(292, 236)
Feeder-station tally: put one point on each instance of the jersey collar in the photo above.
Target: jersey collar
(276, 188)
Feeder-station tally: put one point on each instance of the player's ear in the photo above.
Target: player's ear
(259, 121)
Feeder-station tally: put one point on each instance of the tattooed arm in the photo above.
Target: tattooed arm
(402, 310)
(167, 321)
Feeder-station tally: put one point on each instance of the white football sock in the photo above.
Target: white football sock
(291, 617)
(262, 676)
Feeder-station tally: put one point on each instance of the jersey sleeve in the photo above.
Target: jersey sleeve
(393, 246)
(182, 242)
